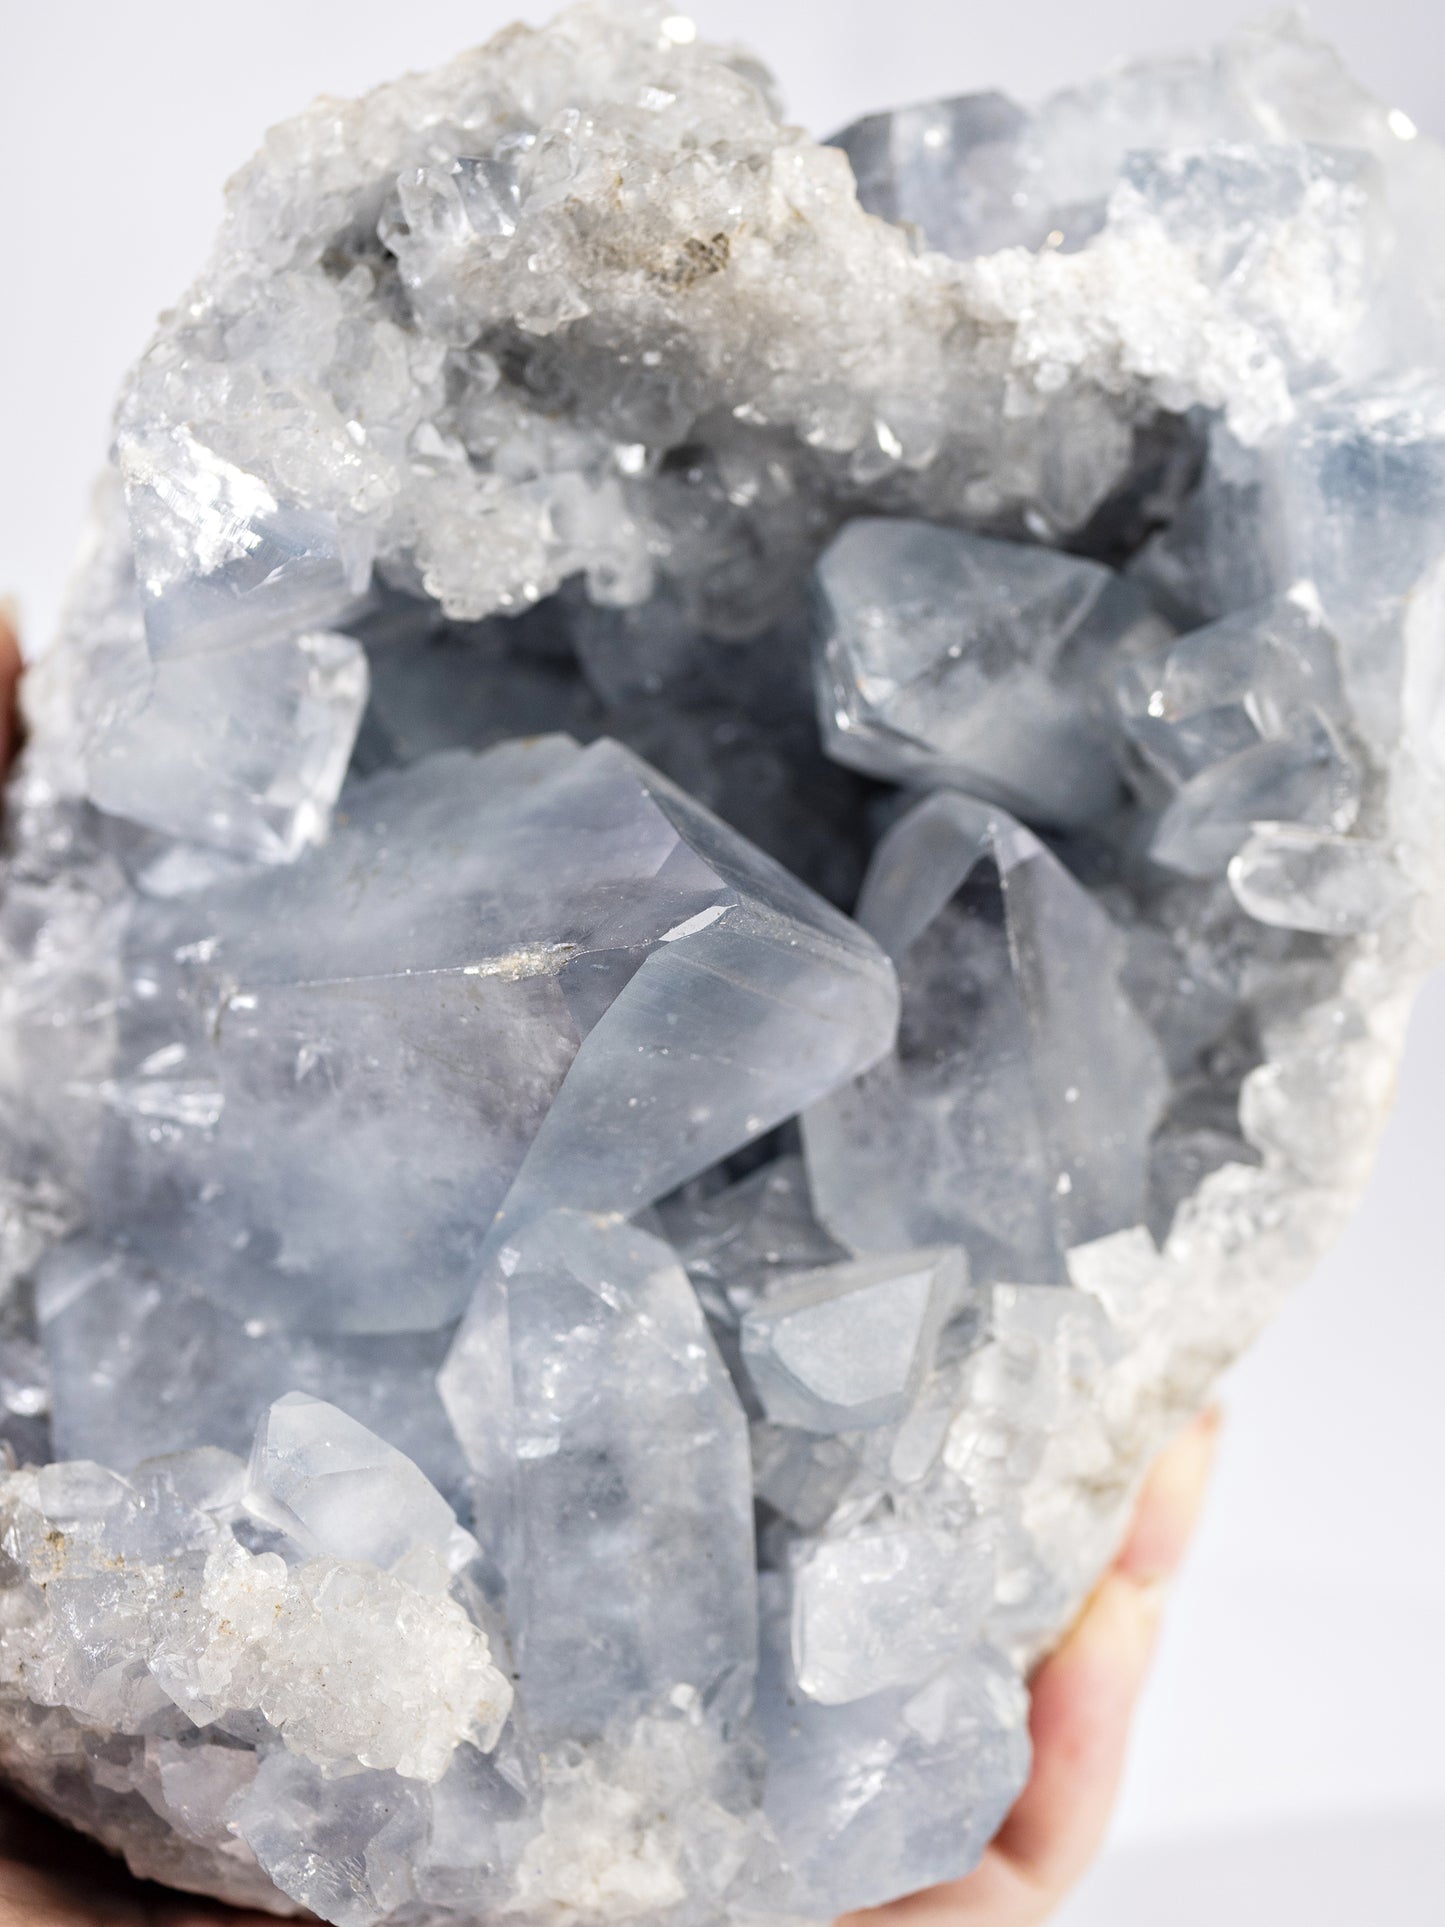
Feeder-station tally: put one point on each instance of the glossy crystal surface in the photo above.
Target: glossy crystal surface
(717, 879)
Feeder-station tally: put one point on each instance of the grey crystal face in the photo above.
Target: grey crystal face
(219, 561)
(357, 1059)
(959, 171)
(714, 883)
(1243, 723)
(1000, 1122)
(866, 1797)
(616, 1456)
(945, 658)
(847, 1348)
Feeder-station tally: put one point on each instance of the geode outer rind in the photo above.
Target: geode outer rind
(717, 879)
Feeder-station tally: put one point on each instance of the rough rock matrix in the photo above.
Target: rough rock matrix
(716, 881)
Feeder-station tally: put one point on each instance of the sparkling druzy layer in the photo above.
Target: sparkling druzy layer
(716, 880)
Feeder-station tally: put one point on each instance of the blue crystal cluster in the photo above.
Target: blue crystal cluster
(717, 878)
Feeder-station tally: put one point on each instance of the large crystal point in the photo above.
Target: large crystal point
(948, 658)
(586, 990)
(753, 997)
(600, 1420)
(1000, 1123)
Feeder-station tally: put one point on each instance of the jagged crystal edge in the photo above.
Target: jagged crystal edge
(578, 322)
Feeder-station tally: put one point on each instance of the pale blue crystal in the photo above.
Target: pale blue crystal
(220, 560)
(951, 168)
(949, 658)
(333, 1486)
(243, 749)
(1362, 501)
(1305, 777)
(490, 193)
(133, 1355)
(706, 893)
(346, 1848)
(1242, 721)
(893, 1792)
(1307, 879)
(736, 1242)
(886, 1607)
(847, 1347)
(246, 752)
(598, 1415)
(1000, 1122)
(571, 911)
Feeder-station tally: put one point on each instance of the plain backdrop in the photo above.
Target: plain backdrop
(1290, 1759)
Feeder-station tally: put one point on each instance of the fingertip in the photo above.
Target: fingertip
(1083, 1702)
(1085, 1694)
(188, 1915)
(11, 664)
(1170, 1502)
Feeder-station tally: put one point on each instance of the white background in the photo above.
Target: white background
(1290, 1760)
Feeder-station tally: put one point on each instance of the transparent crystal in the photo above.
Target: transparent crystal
(849, 1346)
(948, 658)
(612, 1449)
(1306, 879)
(886, 1608)
(999, 1122)
(715, 881)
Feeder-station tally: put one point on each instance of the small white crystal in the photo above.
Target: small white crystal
(1305, 879)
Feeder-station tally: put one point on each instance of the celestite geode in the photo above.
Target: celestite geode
(716, 881)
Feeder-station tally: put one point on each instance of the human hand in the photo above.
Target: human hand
(9, 684)
(1083, 1701)
(51, 1877)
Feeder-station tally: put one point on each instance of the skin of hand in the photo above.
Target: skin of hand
(9, 685)
(1083, 1702)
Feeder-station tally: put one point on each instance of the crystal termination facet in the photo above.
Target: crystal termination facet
(716, 881)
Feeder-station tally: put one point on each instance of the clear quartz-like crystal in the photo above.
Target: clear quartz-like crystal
(613, 1453)
(460, 1002)
(1306, 879)
(947, 658)
(848, 1347)
(1000, 1122)
(717, 877)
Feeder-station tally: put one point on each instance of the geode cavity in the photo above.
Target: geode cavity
(716, 880)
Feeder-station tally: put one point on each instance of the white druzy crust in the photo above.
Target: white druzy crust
(716, 881)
